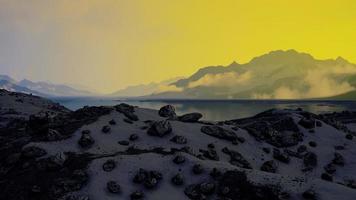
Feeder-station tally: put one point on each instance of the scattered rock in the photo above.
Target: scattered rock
(310, 159)
(326, 177)
(277, 129)
(109, 165)
(266, 150)
(237, 159)
(149, 179)
(197, 169)
(292, 153)
(53, 135)
(137, 195)
(178, 179)
(179, 139)
(210, 154)
(302, 148)
(281, 156)
(167, 111)
(128, 121)
(219, 132)
(241, 139)
(127, 110)
(140, 176)
(124, 142)
(112, 122)
(86, 140)
(192, 191)
(215, 173)
(160, 128)
(235, 185)
(312, 144)
(33, 152)
(309, 194)
(191, 117)
(133, 137)
(207, 188)
(330, 168)
(106, 129)
(338, 159)
(307, 123)
(349, 136)
(179, 159)
(269, 166)
(113, 187)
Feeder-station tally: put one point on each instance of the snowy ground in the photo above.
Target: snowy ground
(325, 136)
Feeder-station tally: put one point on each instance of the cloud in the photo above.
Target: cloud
(228, 79)
(167, 88)
(321, 82)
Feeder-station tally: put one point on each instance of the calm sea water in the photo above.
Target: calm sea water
(217, 109)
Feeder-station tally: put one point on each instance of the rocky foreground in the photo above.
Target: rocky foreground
(125, 152)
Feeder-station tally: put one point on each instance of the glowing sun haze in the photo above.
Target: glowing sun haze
(110, 44)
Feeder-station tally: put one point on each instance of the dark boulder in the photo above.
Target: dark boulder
(113, 187)
(330, 168)
(349, 136)
(312, 144)
(160, 128)
(210, 154)
(106, 129)
(179, 159)
(179, 139)
(192, 191)
(33, 152)
(309, 194)
(269, 166)
(109, 165)
(137, 195)
(133, 137)
(215, 173)
(338, 159)
(86, 140)
(219, 132)
(167, 111)
(112, 122)
(235, 185)
(281, 156)
(307, 123)
(124, 142)
(302, 148)
(191, 117)
(237, 159)
(207, 188)
(326, 177)
(266, 150)
(53, 135)
(149, 179)
(128, 121)
(310, 159)
(178, 179)
(197, 169)
(127, 110)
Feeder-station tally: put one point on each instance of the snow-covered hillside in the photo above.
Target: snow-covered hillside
(125, 152)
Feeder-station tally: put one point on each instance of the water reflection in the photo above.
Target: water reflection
(218, 109)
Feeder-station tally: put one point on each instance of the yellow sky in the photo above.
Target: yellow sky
(109, 44)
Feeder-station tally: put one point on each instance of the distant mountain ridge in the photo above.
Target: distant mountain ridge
(145, 89)
(275, 75)
(40, 88)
